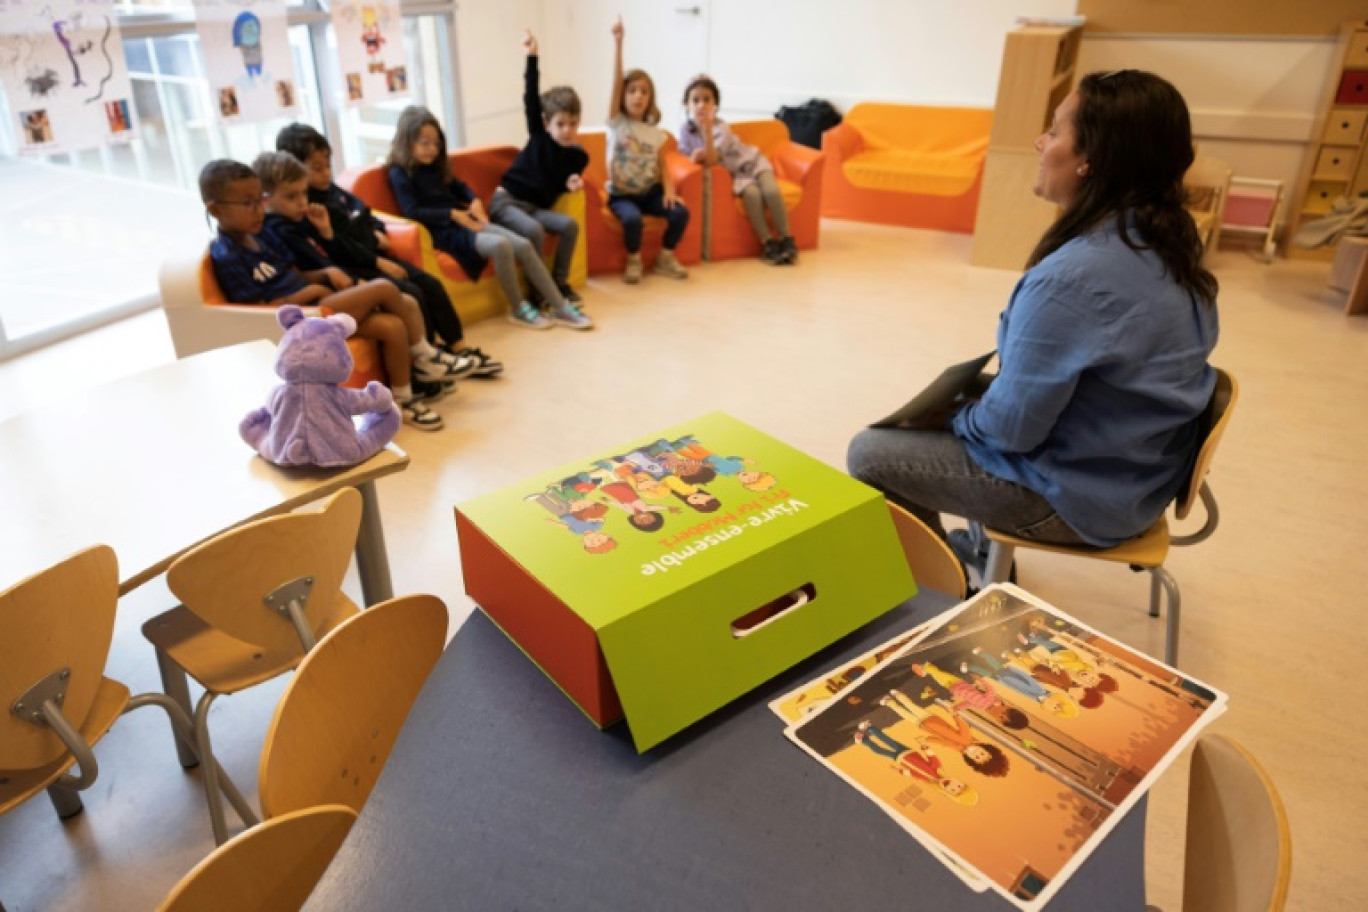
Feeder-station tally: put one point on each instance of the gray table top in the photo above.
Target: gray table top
(500, 794)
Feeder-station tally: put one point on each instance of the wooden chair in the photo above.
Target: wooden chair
(1207, 183)
(274, 866)
(339, 717)
(254, 600)
(56, 628)
(930, 559)
(1239, 844)
(1149, 551)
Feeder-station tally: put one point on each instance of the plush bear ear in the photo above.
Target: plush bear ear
(289, 314)
(345, 321)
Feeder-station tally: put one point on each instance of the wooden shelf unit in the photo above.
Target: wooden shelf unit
(1335, 164)
(1038, 69)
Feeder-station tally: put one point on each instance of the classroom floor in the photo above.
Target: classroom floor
(810, 354)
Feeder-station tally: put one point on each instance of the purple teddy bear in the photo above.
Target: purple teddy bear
(307, 420)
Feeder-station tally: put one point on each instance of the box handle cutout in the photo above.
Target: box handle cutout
(769, 612)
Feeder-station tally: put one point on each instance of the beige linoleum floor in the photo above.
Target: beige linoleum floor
(809, 354)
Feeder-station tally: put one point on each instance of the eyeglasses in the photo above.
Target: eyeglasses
(256, 203)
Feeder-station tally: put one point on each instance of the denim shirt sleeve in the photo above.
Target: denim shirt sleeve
(1043, 346)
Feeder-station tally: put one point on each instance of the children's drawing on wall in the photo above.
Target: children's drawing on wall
(247, 57)
(61, 62)
(370, 49)
(118, 115)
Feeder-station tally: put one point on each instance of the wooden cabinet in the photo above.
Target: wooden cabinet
(1038, 70)
(1335, 164)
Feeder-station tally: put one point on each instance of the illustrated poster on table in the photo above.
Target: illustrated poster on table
(248, 61)
(1011, 737)
(65, 77)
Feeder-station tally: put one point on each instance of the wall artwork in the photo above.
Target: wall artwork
(63, 70)
(247, 58)
(370, 50)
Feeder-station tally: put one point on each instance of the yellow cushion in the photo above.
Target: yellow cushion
(907, 171)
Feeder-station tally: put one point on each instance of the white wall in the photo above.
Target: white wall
(1253, 100)
(489, 53)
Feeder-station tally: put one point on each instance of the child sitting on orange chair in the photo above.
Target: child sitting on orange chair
(253, 268)
(638, 181)
(707, 139)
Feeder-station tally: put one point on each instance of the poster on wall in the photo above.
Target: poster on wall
(247, 58)
(63, 69)
(370, 50)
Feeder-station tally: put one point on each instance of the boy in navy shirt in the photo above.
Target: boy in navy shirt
(359, 244)
(253, 268)
(549, 165)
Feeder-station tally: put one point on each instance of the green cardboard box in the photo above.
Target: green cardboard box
(664, 578)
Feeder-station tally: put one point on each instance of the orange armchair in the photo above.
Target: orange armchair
(798, 171)
(604, 231)
(919, 167)
(481, 168)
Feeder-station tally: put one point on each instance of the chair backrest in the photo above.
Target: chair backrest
(930, 559)
(922, 127)
(60, 618)
(1214, 421)
(1239, 845)
(339, 716)
(224, 580)
(210, 290)
(371, 184)
(482, 167)
(274, 865)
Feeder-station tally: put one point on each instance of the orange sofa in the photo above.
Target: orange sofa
(482, 169)
(799, 172)
(604, 231)
(919, 167)
(201, 318)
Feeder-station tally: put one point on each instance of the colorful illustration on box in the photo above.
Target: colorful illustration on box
(1008, 712)
(614, 492)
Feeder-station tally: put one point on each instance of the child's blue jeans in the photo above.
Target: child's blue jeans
(630, 209)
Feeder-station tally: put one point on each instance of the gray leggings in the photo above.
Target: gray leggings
(508, 250)
(535, 224)
(761, 195)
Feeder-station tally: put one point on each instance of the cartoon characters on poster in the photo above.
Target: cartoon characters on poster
(371, 39)
(247, 57)
(370, 49)
(646, 486)
(247, 39)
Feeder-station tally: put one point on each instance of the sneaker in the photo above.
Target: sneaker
(632, 273)
(569, 315)
(420, 416)
(788, 249)
(529, 315)
(667, 265)
(430, 390)
(771, 252)
(461, 364)
(436, 370)
(485, 366)
(568, 293)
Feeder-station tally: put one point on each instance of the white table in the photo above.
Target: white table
(152, 465)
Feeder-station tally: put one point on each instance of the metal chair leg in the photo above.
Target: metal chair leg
(1155, 589)
(176, 685)
(999, 566)
(1175, 605)
(65, 802)
(209, 771)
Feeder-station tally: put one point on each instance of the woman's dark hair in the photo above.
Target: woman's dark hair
(1133, 130)
(702, 81)
(411, 122)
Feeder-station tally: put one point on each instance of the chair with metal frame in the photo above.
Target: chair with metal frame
(57, 629)
(254, 601)
(1149, 551)
(341, 713)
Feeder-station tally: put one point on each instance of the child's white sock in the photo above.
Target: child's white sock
(402, 394)
(423, 349)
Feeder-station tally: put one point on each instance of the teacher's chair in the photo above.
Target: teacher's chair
(1149, 551)
(933, 564)
(56, 628)
(254, 600)
(341, 713)
(273, 866)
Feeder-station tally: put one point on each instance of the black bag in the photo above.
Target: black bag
(807, 122)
